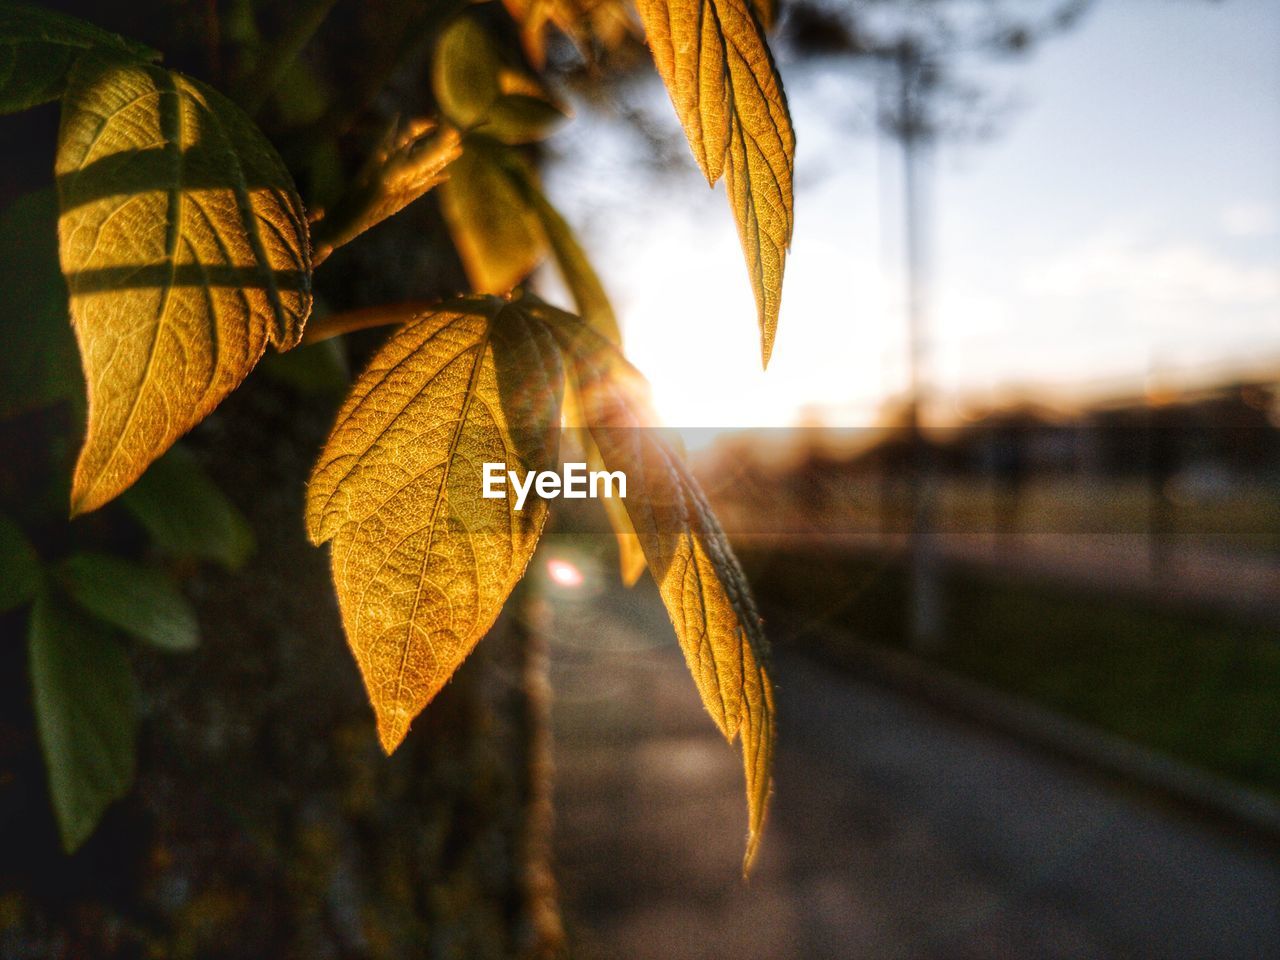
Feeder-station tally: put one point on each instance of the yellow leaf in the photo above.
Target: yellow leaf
(701, 583)
(631, 559)
(422, 563)
(519, 209)
(631, 562)
(499, 238)
(398, 174)
(766, 12)
(717, 67)
(606, 23)
(185, 250)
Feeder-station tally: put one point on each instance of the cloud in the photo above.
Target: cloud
(1118, 264)
(1248, 220)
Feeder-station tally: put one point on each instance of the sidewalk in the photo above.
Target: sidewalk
(897, 829)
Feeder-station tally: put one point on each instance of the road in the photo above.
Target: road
(896, 831)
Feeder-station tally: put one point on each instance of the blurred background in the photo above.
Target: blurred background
(1008, 495)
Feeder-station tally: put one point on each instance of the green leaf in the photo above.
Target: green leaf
(715, 63)
(19, 566)
(422, 563)
(38, 47)
(701, 583)
(186, 514)
(38, 364)
(185, 250)
(139, 600)
(479, 91)
(398, 173)
(86, 714)
(498, 236)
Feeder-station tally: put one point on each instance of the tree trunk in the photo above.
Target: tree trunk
(265, 820)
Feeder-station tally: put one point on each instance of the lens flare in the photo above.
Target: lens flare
(563, 573)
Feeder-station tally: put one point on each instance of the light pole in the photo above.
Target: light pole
(911, 126)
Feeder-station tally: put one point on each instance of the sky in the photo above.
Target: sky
(1119, 232)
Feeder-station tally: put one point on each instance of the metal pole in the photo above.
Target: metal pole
(925, 613)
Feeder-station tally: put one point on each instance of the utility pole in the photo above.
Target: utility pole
(916, 52)
(910, 123)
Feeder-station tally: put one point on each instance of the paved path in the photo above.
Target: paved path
(895, 831)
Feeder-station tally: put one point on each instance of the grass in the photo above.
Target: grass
(1202, 687)
(1246, 518)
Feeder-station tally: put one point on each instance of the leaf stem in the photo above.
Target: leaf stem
(364, 318)
(398, 173)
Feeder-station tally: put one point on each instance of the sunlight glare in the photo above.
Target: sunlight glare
(564, 574)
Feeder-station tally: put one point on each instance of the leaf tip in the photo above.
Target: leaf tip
(749, 858)
(631, 560)
(316, 534)
(393, 727)
(321, 523)
(631, 573)
(85, 495)
(72, 835)
(768, 315)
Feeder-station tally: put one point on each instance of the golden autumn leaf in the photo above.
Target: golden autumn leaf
(631, 561)
(400, 172)
(502, 223)
(715, 63)
(422, 563)
(586, 22)
(185, 250)
(595, 309)
(703, 587)
(499, 238)
(766, 12)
